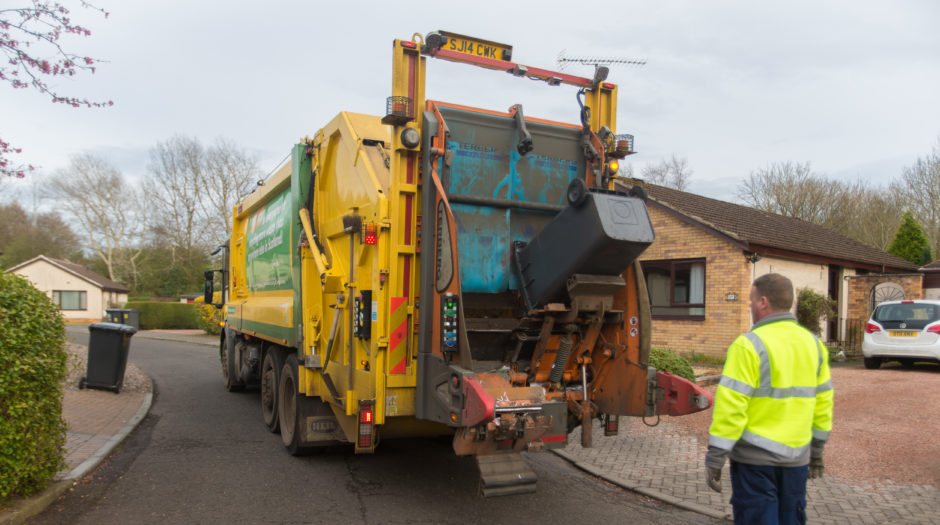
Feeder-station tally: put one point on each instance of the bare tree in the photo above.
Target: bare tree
(919, 188)
(872, 215)
(177, 170)
(786, 188)
(231, 174)
(105, 209)
(673, 172)
(24, 235)
(193, 190)
(854, 209)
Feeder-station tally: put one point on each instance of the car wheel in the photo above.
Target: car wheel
(872, 363)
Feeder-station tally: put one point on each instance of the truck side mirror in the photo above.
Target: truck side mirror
(207, 294)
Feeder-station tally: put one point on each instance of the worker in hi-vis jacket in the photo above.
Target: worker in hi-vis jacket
(773, 411)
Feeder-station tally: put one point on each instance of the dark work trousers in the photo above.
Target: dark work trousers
(768, 495)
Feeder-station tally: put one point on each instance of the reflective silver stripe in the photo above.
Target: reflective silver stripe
(783, 393)
(824, 387)
(738, 386)
(720, 442)
(764, 359)
(765, 389)
(821, 435)
(819, 349)
(773, 446)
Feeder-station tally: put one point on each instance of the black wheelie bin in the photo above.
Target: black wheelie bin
(108, 346)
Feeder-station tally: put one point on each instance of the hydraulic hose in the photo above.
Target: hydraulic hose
(561, 357)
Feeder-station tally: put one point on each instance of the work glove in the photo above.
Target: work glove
(713, 477)
(816, 468)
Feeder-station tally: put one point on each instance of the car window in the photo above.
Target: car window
(914, 315)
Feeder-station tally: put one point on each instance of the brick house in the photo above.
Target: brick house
(707, 252)
(81, 294)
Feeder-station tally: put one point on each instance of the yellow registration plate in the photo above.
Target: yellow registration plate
(477, 47)
(897, 333)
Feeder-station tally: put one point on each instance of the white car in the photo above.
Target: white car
(904, 331)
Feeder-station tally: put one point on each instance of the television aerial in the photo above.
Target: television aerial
(564, 60)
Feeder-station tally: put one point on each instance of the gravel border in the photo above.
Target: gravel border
(134, 379)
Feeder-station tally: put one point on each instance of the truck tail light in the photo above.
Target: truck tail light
(366, 441)
(370, 234)
(871, 328)
(611, 424)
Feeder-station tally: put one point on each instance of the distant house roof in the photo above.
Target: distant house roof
(79, 271)
(932, 267)
(769, 233)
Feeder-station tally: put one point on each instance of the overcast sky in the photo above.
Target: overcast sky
(851, 86)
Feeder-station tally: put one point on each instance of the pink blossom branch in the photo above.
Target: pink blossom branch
(30, 44)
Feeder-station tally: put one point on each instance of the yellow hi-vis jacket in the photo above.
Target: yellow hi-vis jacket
(775, 397)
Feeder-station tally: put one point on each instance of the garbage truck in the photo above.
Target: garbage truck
(448, 270)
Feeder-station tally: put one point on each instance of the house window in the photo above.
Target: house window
(70, 300)
(676, 288)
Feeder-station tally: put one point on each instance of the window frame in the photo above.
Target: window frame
(671, 265)
(82, 300)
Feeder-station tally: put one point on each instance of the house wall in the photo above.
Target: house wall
(726, 271)
(859, 301)
(47, 278)
(814, 276)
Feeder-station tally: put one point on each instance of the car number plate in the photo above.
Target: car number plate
(898, 333)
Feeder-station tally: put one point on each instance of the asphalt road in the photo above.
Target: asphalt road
(203, 455)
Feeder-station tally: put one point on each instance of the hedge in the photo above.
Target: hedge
(32, 369)
(157, 315)
(668, 361)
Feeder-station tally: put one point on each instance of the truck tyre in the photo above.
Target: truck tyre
(288, 408)
(270, 372)
(229, 374)
(872, 363)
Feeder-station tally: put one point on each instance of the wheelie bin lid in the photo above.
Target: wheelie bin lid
(112, 327)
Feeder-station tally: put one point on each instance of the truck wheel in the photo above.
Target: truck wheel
(288, 408)
(577, 192)
(872, 363)
(228, 368)
(270, 368)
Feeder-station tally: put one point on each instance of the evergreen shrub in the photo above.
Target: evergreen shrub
(811, 307)
(32, 369)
